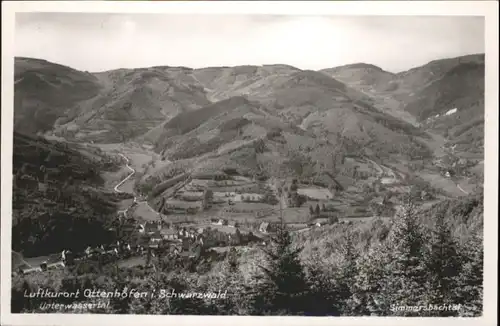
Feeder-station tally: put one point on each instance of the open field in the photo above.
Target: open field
(317, 193)
(249, 207)
(440, 182)
(143, 212)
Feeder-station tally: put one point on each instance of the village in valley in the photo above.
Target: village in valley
(192, 216)
(230, 218)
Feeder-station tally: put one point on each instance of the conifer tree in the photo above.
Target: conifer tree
(322, 291)
(232, 261)
(369, 297)
(406, 273)
(282, 288)
(230, 279)
(470, 281)
(148, 257)
(207, 198)
(347, 273)
(443, 264)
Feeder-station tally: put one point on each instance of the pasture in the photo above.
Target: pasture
(316, 193)
(143, 212)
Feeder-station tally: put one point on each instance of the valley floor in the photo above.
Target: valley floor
(142, 161)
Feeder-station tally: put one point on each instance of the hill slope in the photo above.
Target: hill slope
(368, 77)
(109, 106)
(423, 95)
(187, 112)
(44, 91)
(453, 106)
(307, 104)
(133, 103)
(57, 196)
(291, 126)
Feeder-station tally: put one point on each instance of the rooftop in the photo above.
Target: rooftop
(168, 232)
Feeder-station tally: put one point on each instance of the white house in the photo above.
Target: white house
(56, 265)
(29, 270)
(452, 111)
(169, 234)
(264, 227)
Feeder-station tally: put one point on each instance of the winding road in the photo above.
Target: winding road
(116, 189)
(127, 177)
(460, 188)
(135, 197)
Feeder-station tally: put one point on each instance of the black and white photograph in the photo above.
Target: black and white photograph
(248, 164)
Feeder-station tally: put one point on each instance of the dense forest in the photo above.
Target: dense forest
(58, 198)
(419, 258)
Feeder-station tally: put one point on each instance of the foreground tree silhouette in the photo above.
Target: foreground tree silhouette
(470, 281)
(405, 275)
(444, 266)
(229, 279)
(323, 290)
(282, 288)
(346, 278)
(369, 297)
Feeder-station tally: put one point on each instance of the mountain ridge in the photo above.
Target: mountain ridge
(127, 104)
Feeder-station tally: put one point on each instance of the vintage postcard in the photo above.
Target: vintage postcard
(224, 162)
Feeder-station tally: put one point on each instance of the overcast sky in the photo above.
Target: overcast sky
(97, 42)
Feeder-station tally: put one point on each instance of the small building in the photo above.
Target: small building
(67, 257)
(169, 234)
(56, 265)
(90, 252)
(156, 237)
(193, 252)
(201, 239)
(264, 227)
(24, 270)
(150, 227)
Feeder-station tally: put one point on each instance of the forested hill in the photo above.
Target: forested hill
(58, 198)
